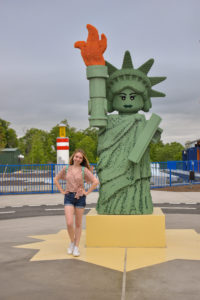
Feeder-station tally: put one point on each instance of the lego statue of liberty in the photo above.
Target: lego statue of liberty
(124, 138)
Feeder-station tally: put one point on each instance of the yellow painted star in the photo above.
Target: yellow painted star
(181, 244)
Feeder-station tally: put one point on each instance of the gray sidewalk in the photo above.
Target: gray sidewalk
(55, 199)
(86, 277)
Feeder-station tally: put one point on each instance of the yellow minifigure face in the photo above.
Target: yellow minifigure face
(127, 101)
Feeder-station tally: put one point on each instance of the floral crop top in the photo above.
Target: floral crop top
(74, 179)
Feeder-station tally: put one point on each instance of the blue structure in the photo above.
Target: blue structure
(31, 179)
(192, 153)
(38, 178)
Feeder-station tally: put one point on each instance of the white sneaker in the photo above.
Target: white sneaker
(76, 251)
(71, 248)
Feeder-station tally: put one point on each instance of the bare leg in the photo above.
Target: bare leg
(69, 216)
(78, 224)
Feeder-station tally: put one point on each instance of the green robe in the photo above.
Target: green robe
(124, 185)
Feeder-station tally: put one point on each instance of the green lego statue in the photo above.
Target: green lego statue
(124, 138)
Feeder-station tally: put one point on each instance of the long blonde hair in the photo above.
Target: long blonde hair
(85, 161)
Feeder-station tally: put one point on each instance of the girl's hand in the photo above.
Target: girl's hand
(85, 193)
(63, 192)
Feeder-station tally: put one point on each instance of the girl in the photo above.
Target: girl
(75, 195)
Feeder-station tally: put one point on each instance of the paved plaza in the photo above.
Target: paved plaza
(34, 263)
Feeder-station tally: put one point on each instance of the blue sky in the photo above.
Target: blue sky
(43, 78)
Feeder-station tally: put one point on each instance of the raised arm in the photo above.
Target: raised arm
(92, 52)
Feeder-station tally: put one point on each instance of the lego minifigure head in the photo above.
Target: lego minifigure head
(127, 101)
(129, 90)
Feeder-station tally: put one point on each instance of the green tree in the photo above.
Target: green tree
(2, 137)
(93, 133)
(156, 151)
(50, 151)
(37, 153)
(30, 141)
(75, 138)
(12, 141)
(8, 136)
(89, 146)
(165, 152)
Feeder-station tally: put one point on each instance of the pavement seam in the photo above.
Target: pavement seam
(124, 276)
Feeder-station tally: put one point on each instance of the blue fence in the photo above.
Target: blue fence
(29, 179)
(173, 173)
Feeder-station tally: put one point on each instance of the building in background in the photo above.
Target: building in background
(10, 156)
(192, 150)
(191, 155)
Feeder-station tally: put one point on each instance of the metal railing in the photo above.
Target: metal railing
(38, 178)
(173, 173)
(30, 179)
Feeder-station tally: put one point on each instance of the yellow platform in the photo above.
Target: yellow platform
(181, 244)
(143, 231)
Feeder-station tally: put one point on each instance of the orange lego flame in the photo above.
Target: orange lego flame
(92, 50)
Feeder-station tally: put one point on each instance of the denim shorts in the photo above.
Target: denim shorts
(71, 200)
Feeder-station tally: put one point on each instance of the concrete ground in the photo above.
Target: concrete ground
(24, 276)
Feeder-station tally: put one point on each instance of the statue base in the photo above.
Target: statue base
(142, 231)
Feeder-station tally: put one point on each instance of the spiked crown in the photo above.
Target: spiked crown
(136, 79)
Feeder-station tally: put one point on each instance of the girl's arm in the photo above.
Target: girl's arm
(56, 181)
(90, 178)
(59, 176)
(93, 186)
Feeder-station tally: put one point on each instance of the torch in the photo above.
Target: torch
(92, 52)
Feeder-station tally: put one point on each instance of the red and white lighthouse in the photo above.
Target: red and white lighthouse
(62, 145)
